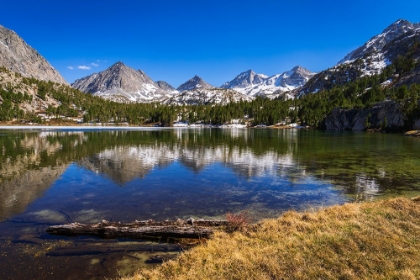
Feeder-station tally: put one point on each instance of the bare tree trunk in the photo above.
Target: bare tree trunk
(141, 229)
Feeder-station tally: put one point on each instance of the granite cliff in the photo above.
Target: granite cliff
(387, 115)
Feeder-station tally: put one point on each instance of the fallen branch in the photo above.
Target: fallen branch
(141, 229)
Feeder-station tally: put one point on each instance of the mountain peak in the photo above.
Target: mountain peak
(399, 27)
(376, 43)
(119, 81)
(245, 79)
(298, 68)
(301, 71)
(194, 83)
(400, 22)
(118, 65)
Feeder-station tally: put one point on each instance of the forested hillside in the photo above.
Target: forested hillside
(397, 82)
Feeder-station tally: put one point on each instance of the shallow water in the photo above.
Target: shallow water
(55, 177)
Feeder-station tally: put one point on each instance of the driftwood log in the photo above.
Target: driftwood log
(141, 229)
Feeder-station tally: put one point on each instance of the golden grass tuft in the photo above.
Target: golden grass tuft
(375, 240)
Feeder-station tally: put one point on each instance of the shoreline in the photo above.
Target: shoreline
(122, 127)
(369, 240)
(75, 127)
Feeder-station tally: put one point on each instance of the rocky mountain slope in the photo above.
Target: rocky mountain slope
(371, 58)
(124, 84)
(16, 55)
(252, 84)
(33, 103)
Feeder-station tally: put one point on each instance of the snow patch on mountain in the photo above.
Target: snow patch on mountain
(372, 65)
(252, 84)
(203, 96)
(377, 43)
(373, 56)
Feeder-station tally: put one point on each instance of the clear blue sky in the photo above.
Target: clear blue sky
(175, 40)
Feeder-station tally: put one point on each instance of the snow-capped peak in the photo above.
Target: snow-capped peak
(376, 43)
(245, 79)
(253, 84)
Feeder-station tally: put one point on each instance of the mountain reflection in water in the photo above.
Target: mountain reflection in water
(356, 165)
(52, 177)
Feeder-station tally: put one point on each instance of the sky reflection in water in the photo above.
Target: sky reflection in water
(168, 174)
(52, 177)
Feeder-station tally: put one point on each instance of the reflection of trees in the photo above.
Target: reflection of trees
(29, 164)
(362, 164)
(31, 151)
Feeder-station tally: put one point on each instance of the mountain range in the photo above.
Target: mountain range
(122, 83)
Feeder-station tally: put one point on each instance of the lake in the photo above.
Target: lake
(50, 177)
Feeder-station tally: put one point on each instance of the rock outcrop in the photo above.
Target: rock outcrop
(16, 55)
(386, 114)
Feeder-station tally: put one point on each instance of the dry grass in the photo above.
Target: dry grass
(378, 240)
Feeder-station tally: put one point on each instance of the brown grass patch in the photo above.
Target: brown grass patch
(377, 240)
